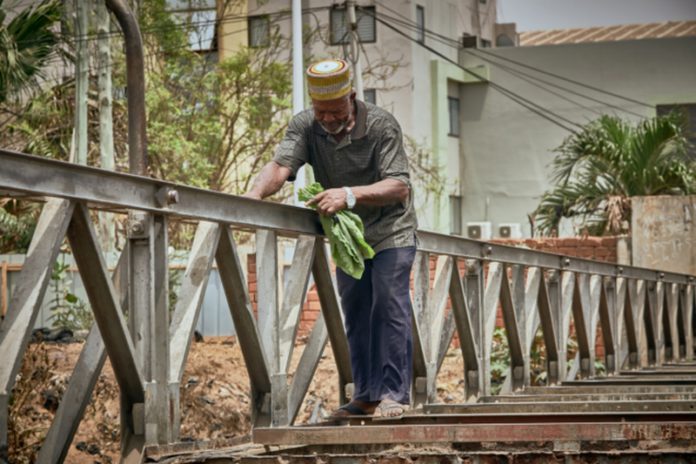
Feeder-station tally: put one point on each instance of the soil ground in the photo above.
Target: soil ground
(214, 398)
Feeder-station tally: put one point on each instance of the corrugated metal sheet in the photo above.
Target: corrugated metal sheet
(609, 33)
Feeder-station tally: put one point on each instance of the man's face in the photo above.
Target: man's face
(334, 115)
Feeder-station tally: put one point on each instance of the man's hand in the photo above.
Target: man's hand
(329, 201)
(269, 181)
(253, 195)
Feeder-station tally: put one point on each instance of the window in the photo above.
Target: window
(504, 40)
(259, 31)
(370, 96)
(455, 215)
(485, 43)
(200, 19)
(420, 23)
(689, 112)
(340, 31)
(453, 104)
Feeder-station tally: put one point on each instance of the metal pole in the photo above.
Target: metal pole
(106, 133)
(148, 269)
(135, 68)
(355, 50)
(81, 82)
(297, 81)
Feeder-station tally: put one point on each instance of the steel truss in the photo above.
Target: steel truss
(645, 317)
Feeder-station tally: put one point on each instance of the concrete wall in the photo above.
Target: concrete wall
(664, 233)
(506, 149)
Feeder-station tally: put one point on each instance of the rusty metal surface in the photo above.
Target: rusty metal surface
(634, 380)
(531, 407)
(538, 453)
(610, 389)
(617, 395)
(665, 433)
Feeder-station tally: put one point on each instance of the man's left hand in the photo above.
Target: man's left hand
(329, 201)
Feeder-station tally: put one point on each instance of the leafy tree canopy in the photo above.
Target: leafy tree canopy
(598, 169)
(26, 42)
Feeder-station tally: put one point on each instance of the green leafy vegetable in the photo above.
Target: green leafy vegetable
(345, 232)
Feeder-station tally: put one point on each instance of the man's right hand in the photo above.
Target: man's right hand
(269, 181)
(252, 195)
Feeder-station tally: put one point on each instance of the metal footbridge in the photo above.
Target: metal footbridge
(643, 403)
(641, 408)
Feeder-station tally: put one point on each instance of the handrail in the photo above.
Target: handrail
(27, 173)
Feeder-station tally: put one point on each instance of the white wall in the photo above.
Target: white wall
(506, 149)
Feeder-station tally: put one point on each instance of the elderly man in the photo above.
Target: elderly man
(357, 154)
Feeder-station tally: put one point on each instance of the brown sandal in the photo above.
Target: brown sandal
(354, 408)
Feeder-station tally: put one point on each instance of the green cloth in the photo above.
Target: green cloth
(345, 232)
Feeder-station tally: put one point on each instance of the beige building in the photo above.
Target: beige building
(400, 74)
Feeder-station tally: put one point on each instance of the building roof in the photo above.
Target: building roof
(609, 33)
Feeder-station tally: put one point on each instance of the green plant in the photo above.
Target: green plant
(68, 311)
(345, 231)
(500, 359)
(26, 43)
(598, 169)
(17, 224)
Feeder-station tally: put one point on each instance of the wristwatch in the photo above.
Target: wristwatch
(350, 198)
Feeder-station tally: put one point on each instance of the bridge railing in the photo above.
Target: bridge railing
(645, 316)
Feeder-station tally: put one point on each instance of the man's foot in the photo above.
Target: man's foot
(389, 409)
(354, 408)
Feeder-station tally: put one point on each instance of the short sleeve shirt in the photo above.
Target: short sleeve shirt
(371, 152)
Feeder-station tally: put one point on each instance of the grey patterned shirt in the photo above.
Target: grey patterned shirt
(373, 151)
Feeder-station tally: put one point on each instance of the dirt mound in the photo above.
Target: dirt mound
(214, 398)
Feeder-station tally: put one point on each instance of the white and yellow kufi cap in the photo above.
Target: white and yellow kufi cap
(328, 79)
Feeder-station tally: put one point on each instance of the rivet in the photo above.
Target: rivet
(173, 196)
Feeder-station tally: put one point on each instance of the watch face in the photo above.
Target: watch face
(350, 198)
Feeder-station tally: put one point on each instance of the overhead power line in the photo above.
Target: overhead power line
(534, 80)
(567, 79)
(539, 110)
(456, 44)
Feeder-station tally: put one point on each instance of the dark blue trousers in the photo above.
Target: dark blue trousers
(377, 312)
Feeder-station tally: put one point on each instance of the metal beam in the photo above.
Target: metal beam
(293, 301)
(307, 367)
(473, 378)
(331, 310)
(420, 318)
(491, 299)
(26, 173)
(191, 294)
(512, 330)
(234, 285)
(107, 311)
(490, 433)
(566, 407)
(82, 381)
(27, 298)
(549, 331)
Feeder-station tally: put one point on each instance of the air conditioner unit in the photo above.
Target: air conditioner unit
(509, 230)
(478, 230)
(470, 41)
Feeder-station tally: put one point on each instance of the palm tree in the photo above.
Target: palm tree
(26, 42)
(600, 168)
